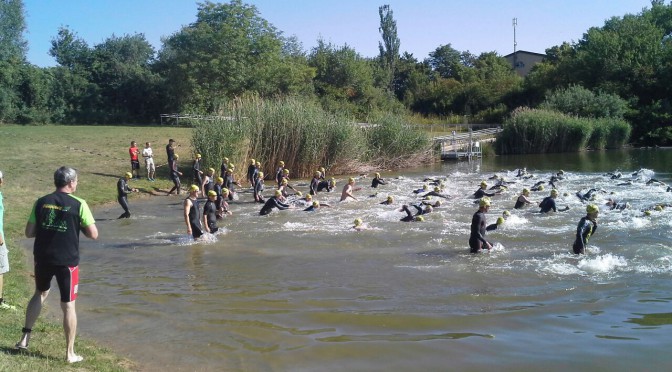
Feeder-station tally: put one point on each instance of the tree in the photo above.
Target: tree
(230, 50)
(389, 47)
(12, 25)
(69, 50)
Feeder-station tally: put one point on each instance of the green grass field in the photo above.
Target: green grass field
(29, 157)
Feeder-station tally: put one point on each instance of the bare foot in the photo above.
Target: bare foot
(75, 359)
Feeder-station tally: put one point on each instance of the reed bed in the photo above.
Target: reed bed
(304, 136)
(530, 131)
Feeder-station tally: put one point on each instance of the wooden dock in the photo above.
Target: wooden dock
(465, 144)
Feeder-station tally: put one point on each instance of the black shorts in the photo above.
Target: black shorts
(67, 279)
(135, 164)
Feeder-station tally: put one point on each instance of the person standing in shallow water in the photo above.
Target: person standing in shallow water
(585, 229)
(55, 223)
(192, 213)
(123, 189)
(478, 225)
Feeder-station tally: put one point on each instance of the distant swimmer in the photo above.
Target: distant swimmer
(480, 193)
(523, 199)
(437, 192)
(388, 201)
(433, 181)
(616, 176)
(522, 172)
(548, 203)
(585, 229)
(279, 173)
(192, 213)
(626, 183)
(327, 186)
(359, 225)
(614, 204)
(259, 188)
(436, 204)
(588, 196)
(377, 180)
(425, 188)
(314, 207)
(477, 240)
(210, 213)
(348, 189)
(654, 181)
(315, 183)
(274, 202)
(410, 217)
(494, 226)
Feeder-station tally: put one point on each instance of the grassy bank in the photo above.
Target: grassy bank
(30, 155)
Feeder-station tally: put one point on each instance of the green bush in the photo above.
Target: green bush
(391, 137)
(579, 101)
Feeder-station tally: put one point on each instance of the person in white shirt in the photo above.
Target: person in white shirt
(148, 154)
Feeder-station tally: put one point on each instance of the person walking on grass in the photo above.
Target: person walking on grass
(55, 222)
(4, 253)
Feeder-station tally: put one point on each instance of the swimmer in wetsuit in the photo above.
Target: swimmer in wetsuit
(614, 204)
(315, 183)
(548, 203)
(388, 201)
(123, 189)
(192, 213)
(585, 229)
(480, 193)
(273, 202)
(494, 226)
(377, 180)
(437, 192)
(252, 172)
(175, 175)
(522, 199)
(224, 167)
(314, 207)
(210, 213)
(259, 188)
(477, 240)
(425, 188)
(222, 205)
(196, 171)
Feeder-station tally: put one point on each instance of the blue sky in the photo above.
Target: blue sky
(423, 25)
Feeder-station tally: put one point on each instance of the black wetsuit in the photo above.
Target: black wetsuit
(271, 203)
(278, 175)
(196, 172)
(547, 204)
(324, 185)
(520, 202)
(258, 190)
(477, 237)
(222, 169)
(175, 177)
(230, 183)
(251, 171)
(481, 193)
(377, 181)
(210, 185)
(438, 195)
(210, 211)
(195, 219)
(312, 208)
(170, 152)
(409, 215)
(314, 185)
(584, 230)
(122, 191)
(587, 196)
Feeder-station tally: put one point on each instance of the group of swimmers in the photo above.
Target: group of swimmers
(217, 190)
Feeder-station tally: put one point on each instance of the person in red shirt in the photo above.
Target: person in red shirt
(135, 163)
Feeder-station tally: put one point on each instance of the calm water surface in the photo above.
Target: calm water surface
(300, 291)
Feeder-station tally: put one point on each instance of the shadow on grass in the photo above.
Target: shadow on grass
(15, 351)
(106, 175)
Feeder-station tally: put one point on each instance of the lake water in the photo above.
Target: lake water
(300, 291)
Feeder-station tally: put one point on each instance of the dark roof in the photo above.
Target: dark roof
(525, 52)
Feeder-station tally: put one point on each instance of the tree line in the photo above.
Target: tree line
(231, 52)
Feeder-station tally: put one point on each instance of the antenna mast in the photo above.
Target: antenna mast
(515, 56)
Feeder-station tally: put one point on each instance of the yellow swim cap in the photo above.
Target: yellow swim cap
(526, 191)
(259, 163)
(299, 193)
(425, 187)
(659, 208)
(648, 213)
(282, 163)
(377, 174)
(285, 171)
(226, 160)
(483, 183)
(554, 192)
(436, 189)
(261, 174)
(358, 221)
(211, 170)
(198, 156)
(128, 175)
(252, 161)
(212, 193)
(500, 220)
(390, 198)
(351, 180)
(506, 213)
(225, 191)
(176, 156)
(419, 218)
(321, 169)
(438, 203)
(592, 208)
(193, 188)
(284, 181)
(316, 203)
(484, 202)
(220, 180)
(309, 197)
(278, 193)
